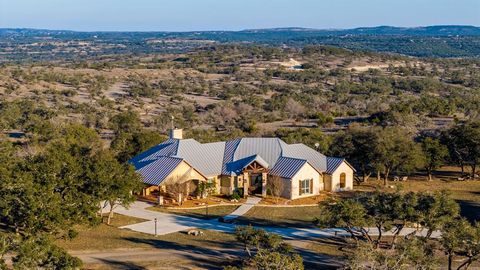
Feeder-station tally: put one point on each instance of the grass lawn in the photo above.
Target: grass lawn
(213, 211)
(109, 237)
(280, 216)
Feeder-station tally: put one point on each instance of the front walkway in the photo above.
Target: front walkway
(243, 209)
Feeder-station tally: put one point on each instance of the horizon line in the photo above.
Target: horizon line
(231, 30)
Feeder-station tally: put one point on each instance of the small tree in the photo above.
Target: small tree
(463, 141)
(359, 147)
(412, 253)
(460, 238)
(436, 210)
(348, 214)
(267, 250)
(115, 182)
(397, 152)
(435, 154)
(177, 189)
(276, 186)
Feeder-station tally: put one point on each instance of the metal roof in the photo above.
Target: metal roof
(230, 157)
(236, 167)
(301, 151)
(165, 149)
(156, 171)
(268, 148)
(206, 158)
(287, 167)
(333, 163)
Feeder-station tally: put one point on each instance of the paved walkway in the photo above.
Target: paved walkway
(169, 223)
(243, 209)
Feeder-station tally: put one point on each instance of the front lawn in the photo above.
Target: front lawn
(301, 216)
(213, 211)
(109, 237)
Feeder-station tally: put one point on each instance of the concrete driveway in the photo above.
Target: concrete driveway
(170, 223)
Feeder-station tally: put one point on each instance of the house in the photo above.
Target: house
(251, 165)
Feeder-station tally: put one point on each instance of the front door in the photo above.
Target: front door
(255, 186)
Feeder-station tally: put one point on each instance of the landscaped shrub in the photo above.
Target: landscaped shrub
(235, 196)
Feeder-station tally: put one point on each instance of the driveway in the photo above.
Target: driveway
(170, 223)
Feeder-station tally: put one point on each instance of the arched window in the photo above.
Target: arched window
(343, 180)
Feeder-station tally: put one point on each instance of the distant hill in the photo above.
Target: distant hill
(427, 41)
(436, 30)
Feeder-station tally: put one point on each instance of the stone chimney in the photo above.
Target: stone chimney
(176, 133)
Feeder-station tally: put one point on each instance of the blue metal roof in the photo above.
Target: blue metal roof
(301, 151)
(287, 167)
(206, 158)
(165, 149)
(333, 163)
(230, 157)
(237, 166)
(230, 147)
(268, 148)
(155, 172)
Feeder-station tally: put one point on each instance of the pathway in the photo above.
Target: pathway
(243, 209)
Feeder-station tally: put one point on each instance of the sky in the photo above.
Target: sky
(198, 15)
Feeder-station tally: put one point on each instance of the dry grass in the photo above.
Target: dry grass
(213, 212)
(163, 264)
(280, 216)
(312, 200)
(110, 237)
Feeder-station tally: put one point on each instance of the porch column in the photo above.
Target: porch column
(264, 185)
(246, 184)
(187, 189)
(218, 186)
(232, 185)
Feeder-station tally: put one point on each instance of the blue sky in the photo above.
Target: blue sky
(185, 15)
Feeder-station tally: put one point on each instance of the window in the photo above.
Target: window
(306, 186)
(343, 180)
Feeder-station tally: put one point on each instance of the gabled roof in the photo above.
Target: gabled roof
(206, 158)
(231, 157)
(300, 150)
(270, 149)
(236, 167)
(334, 162)
(287, 167)
(154, 172)
(165, 149)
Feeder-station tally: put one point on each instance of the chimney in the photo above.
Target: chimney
(176, 133)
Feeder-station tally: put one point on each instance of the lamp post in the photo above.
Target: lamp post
(206, 211)
(155, 220)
